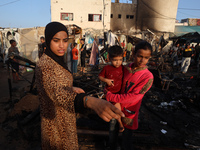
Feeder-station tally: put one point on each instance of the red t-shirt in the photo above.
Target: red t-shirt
(123, 45)
(111, 72)
(74, 54)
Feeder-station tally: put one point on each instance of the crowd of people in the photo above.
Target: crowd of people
(187, 53)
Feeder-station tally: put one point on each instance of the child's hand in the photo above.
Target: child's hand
(78, 90)
(110, 82)
(121, 127)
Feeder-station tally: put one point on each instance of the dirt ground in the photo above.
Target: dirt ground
(168, 120)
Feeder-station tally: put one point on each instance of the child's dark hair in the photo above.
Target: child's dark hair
(42, 37)
(75, 44)
(143, 45)
(115, 51)
(12, 41)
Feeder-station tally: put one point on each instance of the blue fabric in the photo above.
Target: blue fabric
(181, 30)
(74, 66)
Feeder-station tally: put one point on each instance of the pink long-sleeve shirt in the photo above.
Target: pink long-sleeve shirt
(135, 84)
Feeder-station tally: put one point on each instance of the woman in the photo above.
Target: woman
(58, 98)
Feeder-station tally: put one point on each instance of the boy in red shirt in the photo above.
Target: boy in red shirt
(74, 58)
(137, 80)
(112, 76)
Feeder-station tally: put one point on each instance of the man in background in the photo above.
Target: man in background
(41, 46)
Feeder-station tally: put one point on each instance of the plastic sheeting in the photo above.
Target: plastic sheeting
(181, 30)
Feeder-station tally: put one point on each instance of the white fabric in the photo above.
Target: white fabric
(185, 64)
(111, 38)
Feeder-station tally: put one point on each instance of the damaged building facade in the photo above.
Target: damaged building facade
(127, 18)
(142, 19)
(90, 19)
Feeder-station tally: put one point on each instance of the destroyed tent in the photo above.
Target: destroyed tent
(186, 34)
(27, 41)
(192, 37)
(182, 30)
(74, 29)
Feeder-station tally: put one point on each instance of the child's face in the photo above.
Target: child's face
(116, 61)
(42, 40)
(14, 44)
(142, 57)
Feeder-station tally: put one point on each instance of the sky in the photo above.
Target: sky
(37, 13)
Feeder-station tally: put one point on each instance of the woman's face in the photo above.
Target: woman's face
(59, 43)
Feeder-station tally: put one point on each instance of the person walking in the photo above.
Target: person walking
(129, 49)
(74, 59)
(187, 54)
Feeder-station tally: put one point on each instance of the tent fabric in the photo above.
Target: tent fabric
(181, 30)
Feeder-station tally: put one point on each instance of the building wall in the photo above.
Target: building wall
(80, 10)
(191, 21)
(27, 41)
(157, 15)
(127, 20)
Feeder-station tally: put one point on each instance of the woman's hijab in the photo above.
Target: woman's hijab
(50, 30)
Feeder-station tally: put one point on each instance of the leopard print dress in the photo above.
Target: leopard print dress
(58, 120)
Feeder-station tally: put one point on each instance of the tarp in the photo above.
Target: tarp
(181, 30)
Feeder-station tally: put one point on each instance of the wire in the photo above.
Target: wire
(187, 14)
(188, 9)
(156, 11)
(9, 3)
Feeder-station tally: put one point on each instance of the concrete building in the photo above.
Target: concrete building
(123, 17)
(87, 14)
(127, 18)
(157, 15)
(27, 41)
(191, 21)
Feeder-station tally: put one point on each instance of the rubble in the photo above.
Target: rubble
(169, 115)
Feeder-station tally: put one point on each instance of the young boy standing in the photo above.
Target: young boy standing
(74, 58)
(137, 80)
(112, 76)
(14, 62)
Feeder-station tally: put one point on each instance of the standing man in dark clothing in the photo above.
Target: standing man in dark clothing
(197, 51)
(83, 55)
(187, 54)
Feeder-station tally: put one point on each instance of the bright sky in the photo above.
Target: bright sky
(33, 13)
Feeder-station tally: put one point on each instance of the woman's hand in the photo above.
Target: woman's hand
(77, 90)
(104, 109)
